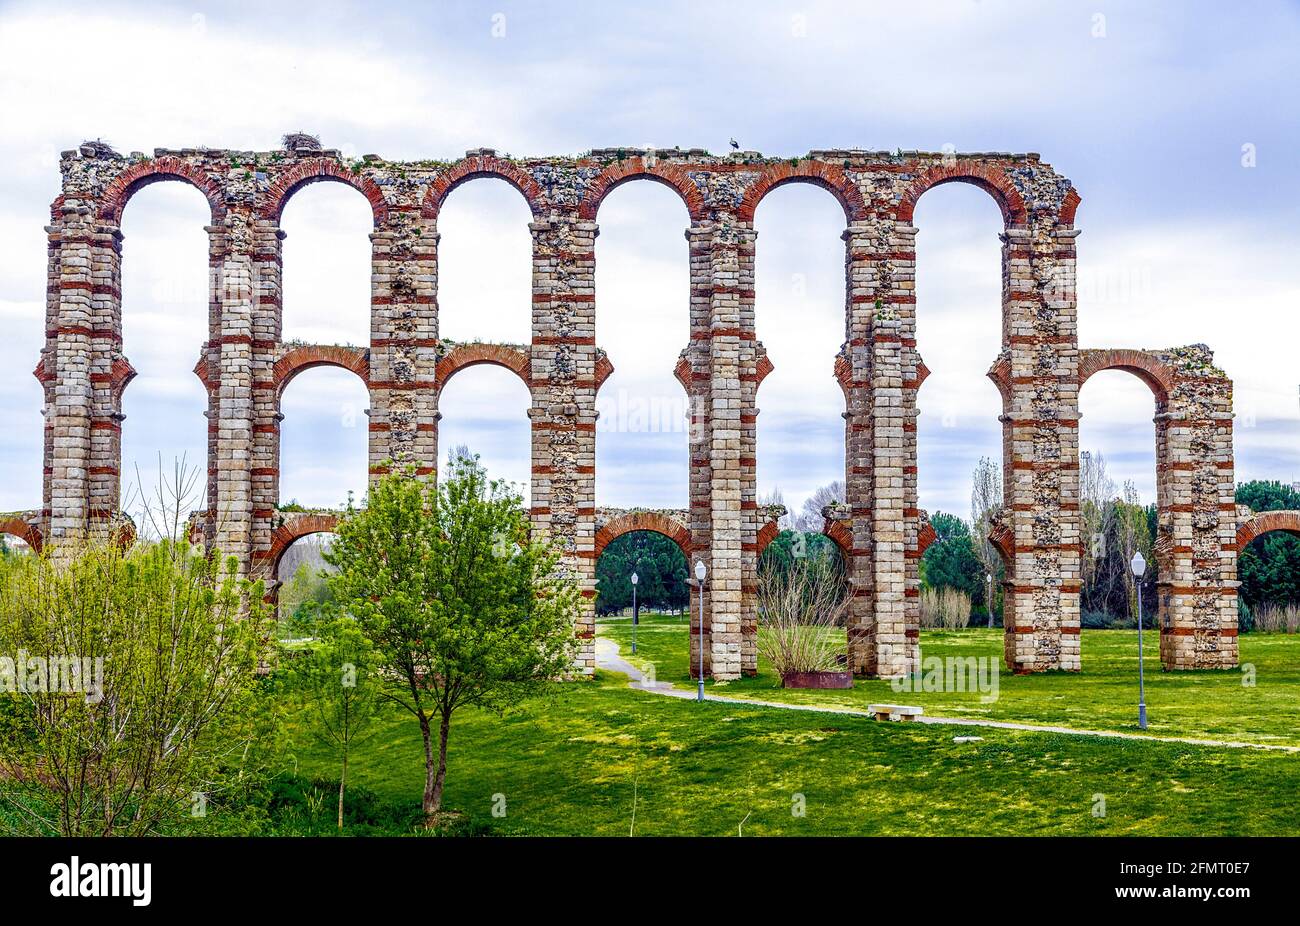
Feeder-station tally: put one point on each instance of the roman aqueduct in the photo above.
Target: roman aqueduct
(882, 533)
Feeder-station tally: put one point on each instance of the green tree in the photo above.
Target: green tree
(952, 559)
(461, 606)
(338, 679)
(660, 566)
(138, 698)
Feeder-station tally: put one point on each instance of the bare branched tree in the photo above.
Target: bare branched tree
(985, 502)
(810, 520)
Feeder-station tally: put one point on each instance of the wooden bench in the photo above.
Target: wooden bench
(895, 711)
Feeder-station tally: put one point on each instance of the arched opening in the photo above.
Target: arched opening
(959, 454)
(324, 439)
(165, 325)
(13, 543)
(484, 410)
(643, 323)
(326, 258)
(1268, 562)
(654, 547)
(300, 577)
(799, 317)
(485, 264)
(1119, 493)
(802, 598)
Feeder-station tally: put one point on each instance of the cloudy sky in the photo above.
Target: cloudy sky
(1178, 123)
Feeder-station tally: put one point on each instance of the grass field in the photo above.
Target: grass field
(1210, 704)
(596, 754)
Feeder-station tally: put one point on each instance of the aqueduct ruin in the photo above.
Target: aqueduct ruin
(882, 532)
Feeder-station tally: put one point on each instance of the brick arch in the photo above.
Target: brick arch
(461, 356)
(766, 534)
(284, 536)
(472, 168)
(1156, 374)
(924, 537)
(314, 170)
(1266, 522)
(830, 177)
(989, 178)
(28, 533)
(839, 532)
(654, 521)
(674, 177)
(300, 359)
(1004, 541)
(120, 374)
(143, 173)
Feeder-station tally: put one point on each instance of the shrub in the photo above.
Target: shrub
(797, 607)
(1273, 618)
(945, 607)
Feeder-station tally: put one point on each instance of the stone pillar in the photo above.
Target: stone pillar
(731, 354)
(563, 368)
(404, 342)
(234, 274)
(109, 373)
(1041, 433)
(693, 369)
(863, 247)
(69, 336)
(893, 412)
(752, 366)
(1197, 544)
(264, 473)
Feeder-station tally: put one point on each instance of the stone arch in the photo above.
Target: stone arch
(143, 173)
(513, 357)
(990, 178)
(295, 528)
(1266, 522)
(474, 167)
(656, 521)
(315, 170)
(18, 527)
(829, 177)
(300, 359)
(625, 170)
(1158, 376)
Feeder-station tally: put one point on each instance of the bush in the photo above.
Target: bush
(1272, 618)
(945, 607)
(797, 607)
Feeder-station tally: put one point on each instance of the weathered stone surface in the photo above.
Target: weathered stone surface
(881, 530)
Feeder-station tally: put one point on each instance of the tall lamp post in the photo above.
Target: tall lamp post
(988, 577)
(700, 573)
(634, 611)
(1139, 566)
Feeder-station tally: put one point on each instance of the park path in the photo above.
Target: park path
(609, 657)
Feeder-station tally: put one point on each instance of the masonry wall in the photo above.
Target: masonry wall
(245, 366)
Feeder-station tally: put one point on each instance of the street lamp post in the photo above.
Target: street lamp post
(988, 577)
(634, 611)
(700, 573)
(1139, 566)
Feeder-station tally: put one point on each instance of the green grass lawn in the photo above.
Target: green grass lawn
(1208, 704)
(578, 762)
